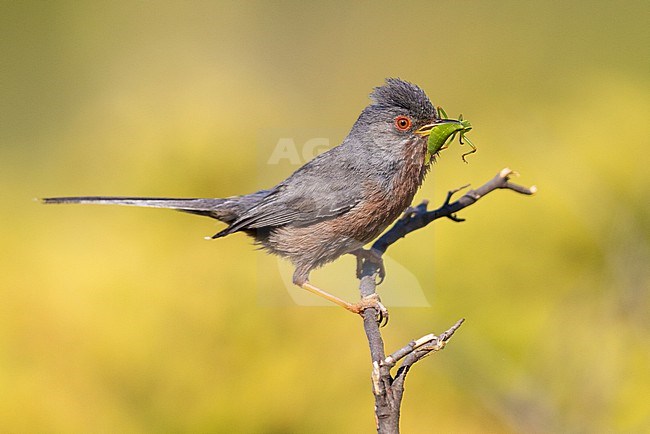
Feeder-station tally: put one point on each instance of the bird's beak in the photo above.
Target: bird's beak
(425, 130)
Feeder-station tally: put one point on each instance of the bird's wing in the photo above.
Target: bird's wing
(311, 194)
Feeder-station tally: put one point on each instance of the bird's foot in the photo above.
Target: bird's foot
(374, 257)
(372, 302)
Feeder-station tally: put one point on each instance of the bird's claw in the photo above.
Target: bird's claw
(372, 256)
(373, 302)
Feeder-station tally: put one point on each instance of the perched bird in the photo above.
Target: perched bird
(338, 201)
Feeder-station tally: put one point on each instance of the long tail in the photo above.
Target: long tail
(225, 210)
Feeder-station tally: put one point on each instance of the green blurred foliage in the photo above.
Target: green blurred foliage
(125, 320)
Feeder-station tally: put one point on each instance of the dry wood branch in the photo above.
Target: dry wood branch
(388, 390)
(418, 217)
(423, 346)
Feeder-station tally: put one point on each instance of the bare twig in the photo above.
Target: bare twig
(388, 390)
(418, 217)
(423, 346)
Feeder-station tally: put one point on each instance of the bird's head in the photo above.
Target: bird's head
(399, 119)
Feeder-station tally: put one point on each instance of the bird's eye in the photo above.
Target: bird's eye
(402, 123)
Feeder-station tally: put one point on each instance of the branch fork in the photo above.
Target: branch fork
(388, 390)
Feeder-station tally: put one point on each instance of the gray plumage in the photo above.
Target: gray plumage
(336, 202)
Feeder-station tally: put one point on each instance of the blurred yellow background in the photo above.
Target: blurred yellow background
(126, 320)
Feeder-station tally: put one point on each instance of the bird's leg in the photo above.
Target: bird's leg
(327, 296)
(358, 308)
(374, 257)
(372, 301)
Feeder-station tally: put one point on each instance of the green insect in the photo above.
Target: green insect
(442, 134)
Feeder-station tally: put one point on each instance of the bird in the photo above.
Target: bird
(335, 203)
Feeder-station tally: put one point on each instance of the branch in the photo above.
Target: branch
(418, 217)
(388, 390)
(422, 347)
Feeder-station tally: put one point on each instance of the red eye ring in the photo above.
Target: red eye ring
(403, 123)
